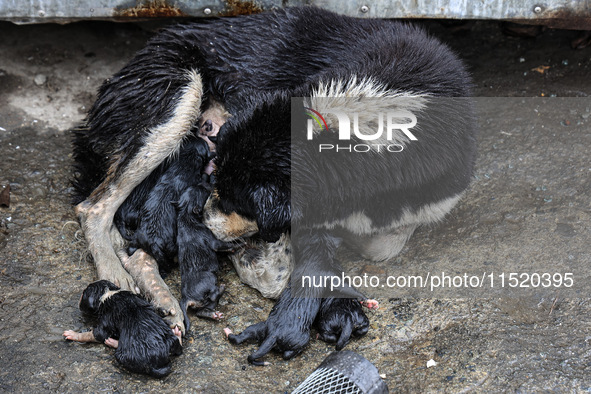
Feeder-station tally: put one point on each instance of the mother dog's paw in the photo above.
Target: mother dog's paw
(265, 266)
(125, 281)
(116, 274)
(339, 319)
(287, 328)
(171, 312)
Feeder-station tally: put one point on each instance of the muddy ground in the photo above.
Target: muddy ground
(529, 205)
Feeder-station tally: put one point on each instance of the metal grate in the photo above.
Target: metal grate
(327, 381)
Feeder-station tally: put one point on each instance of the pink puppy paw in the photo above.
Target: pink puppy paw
(370, 304)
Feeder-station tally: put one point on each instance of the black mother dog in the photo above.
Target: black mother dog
(250, 67)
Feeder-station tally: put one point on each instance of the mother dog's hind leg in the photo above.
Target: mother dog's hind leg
(143, 268)
(96, 213)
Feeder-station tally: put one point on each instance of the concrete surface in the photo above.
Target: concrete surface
(529, 204)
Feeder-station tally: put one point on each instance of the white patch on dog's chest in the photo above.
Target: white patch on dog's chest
(360, 224)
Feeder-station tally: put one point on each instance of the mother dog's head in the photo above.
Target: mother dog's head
(252, 188)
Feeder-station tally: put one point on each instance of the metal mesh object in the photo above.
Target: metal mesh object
(327, 381)
(343, 372)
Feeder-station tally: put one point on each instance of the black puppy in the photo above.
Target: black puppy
(127, 322)
(147, 218)
(197, 257)
(163, 216)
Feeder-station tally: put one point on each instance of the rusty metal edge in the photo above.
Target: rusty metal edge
(566, 14)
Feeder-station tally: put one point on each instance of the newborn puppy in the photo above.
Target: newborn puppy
(162, 216)
(147, 219)
(197, 257)
(127, 322)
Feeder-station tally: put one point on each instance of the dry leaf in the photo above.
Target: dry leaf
(541, 69)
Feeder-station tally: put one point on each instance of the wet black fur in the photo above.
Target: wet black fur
(197, 257)
(253, 65)
(146, 342)
(163, 217)
(399, 56)
(147, 218)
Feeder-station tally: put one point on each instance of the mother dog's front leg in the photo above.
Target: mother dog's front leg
(144, 269)
(127, 171)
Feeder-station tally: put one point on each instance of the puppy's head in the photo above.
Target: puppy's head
(192, 200)
(91, 297)
(252, 189)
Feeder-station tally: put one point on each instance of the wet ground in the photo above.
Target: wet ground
(529, 205)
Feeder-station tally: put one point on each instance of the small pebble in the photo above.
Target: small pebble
(40, 79)
(565, 62)
(38, 192)
(431, 363)
(511, 218)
